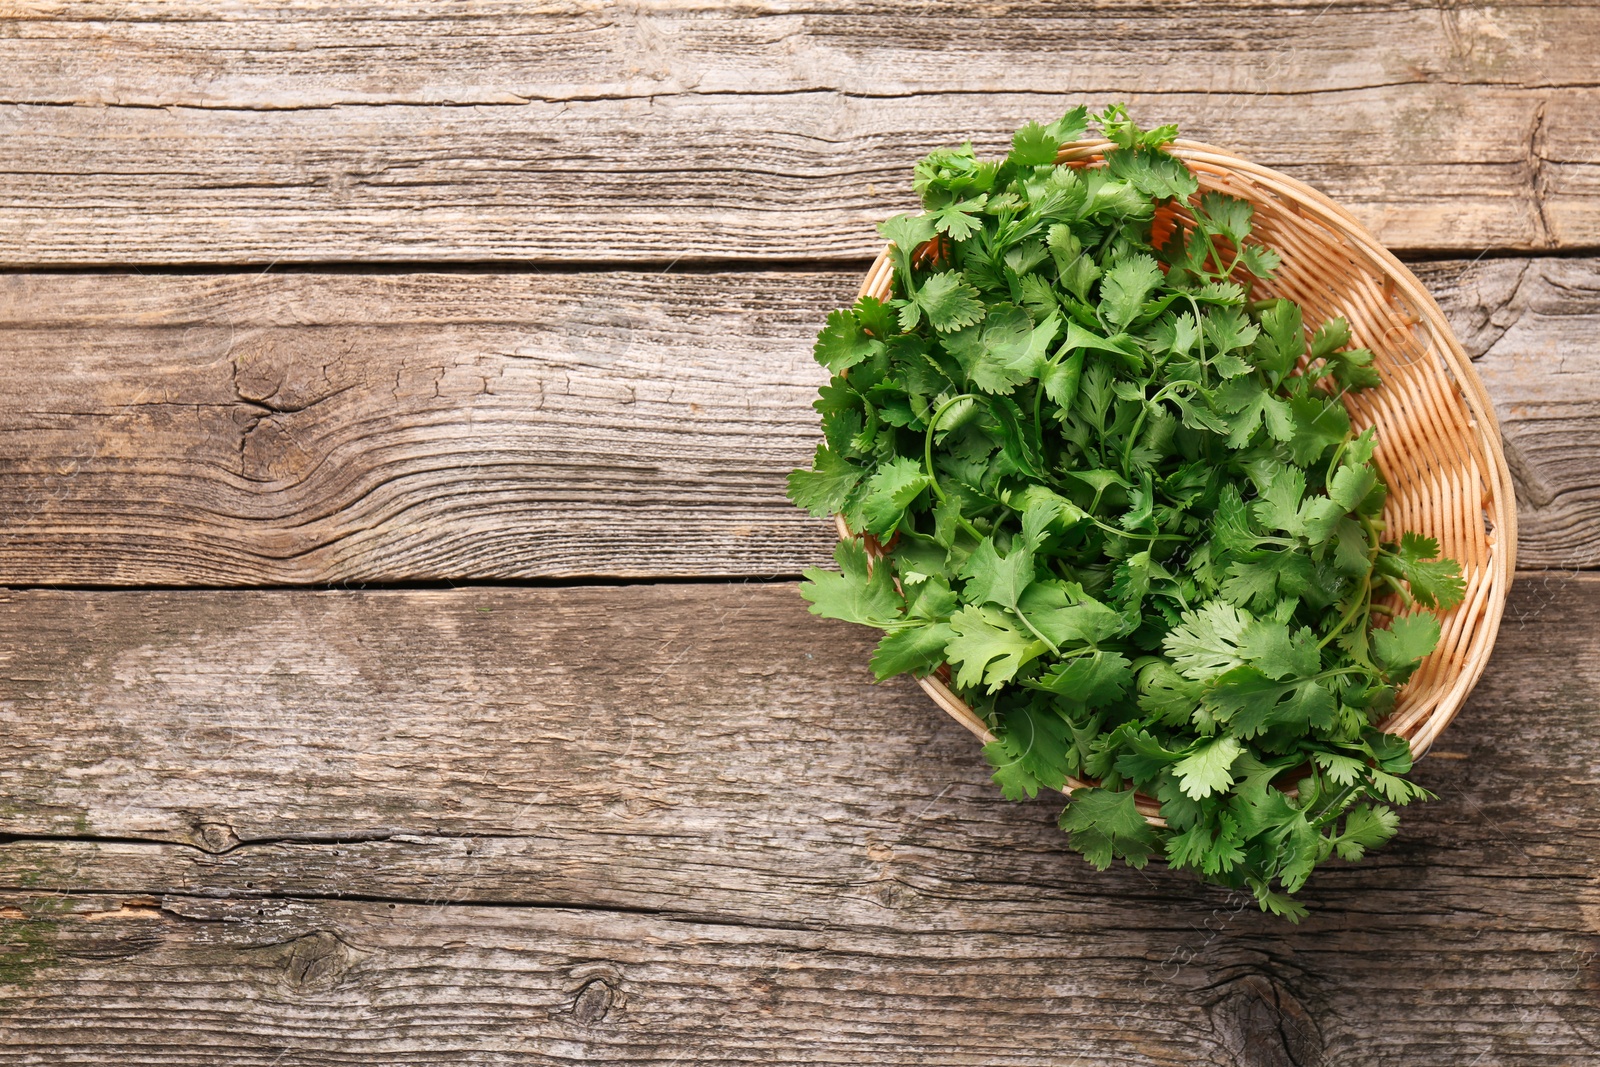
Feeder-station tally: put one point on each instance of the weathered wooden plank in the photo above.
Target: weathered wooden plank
(195, 54)
(676, 131)
(243, 429)
(232, 429)
(826, 875)
(1530, 327)
(184, 981)
(191, 981)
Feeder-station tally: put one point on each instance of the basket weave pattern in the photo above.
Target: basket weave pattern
(1438, 441)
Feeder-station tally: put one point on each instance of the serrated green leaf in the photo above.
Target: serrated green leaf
(855, 593)
(1436, 583)
(1104, 825)
(1208, 769)
(1096, 680)
(996, 355)
(842, 343)
(824, 489)
(949, 301)
(1408, 639)
(1206, 641)
(1125, 287)
(917, 648)
(989, 647)
(890, 491)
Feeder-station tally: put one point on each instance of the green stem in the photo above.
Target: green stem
(927, 447)
(1130, 535)
(1035, 630)
(1199, 339)
(1338, 454)
(1405, 594)
(1365, 597)
(1335, 807)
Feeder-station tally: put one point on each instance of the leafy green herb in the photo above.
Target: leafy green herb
(1123, 504)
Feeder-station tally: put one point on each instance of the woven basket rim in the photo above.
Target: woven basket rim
(1482, 615)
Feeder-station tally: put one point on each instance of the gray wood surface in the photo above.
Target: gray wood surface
(162, 134)
(565, 265)
(414, 825)
(240, 429)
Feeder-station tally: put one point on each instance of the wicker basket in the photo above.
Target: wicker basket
(1438, 441)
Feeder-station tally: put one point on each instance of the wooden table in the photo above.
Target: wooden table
(401, 656)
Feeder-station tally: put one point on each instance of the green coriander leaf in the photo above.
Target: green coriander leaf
(996, 579)
(1260, 260)
(856, 594)
(1209, 851)
(1365, 827)
(1353, 369)
(1206, 641)
(1104, 824)
(842, 343)
(1153, 172)
(1282, 340)
(917, 648)
(989, 648)
(907, 232)
(1060, 380)
(1065, 615)
(1251, 703)
(1435, 584)
(1408, 639)
(890, 491)
(1071, 126)
(1279, 506)
(1165, 693)
(1033, 146)
(1125, 287)
(1249, 406)
(1121, 130)
(1037, 295)
(1271, 648)
(1319, 425)
(1010, 774)
(1119, 346)
(875, 317)
(1038, 739)
(1226, 215)
(959, 220)
(1341, 769)
(1329, 338)
(930, 597)
(824, 489)
(1097, 679)
(1142, 758)
(1229, 366)
(1226, 329)
(996, 355)
(1351, 484)
(1207, 770)
(950, 302)
(1350, 548)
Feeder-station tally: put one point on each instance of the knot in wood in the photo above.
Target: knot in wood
(592, 1003)
(317, 962)
(1261, 1024)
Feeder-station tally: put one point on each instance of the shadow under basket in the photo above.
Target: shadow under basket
(1438, 441)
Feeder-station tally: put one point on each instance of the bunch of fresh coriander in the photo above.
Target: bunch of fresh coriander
(1124, 503)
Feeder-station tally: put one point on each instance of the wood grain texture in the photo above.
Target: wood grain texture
(238, 430)
(693, 796)
(316, 428)
(145, 133)
(1529, 326)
